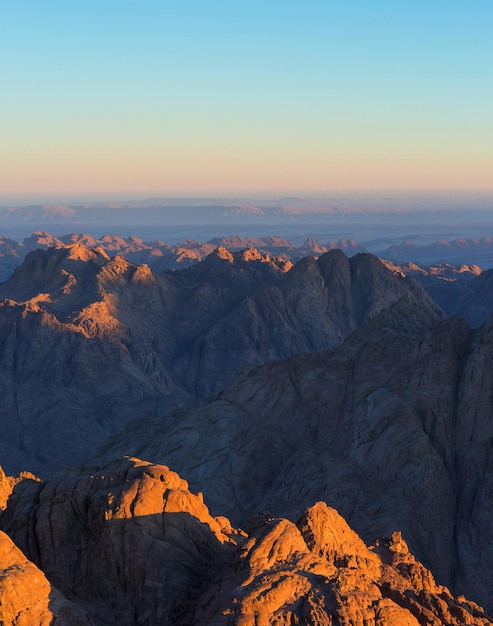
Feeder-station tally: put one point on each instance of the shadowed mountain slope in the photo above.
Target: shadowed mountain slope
(88, 342)
(393, 429)
(475, 303)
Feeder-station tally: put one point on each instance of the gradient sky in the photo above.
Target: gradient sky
(207, 97)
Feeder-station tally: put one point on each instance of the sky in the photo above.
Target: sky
(197, 97)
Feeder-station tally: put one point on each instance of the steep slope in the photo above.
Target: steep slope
(393, 429)
(275, 423)
(475, 303)
(132, 543)
(312, 307)
(88, 342)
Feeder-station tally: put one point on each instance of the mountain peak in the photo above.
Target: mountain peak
(221, 253)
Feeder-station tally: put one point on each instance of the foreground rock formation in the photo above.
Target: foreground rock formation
(131, 543)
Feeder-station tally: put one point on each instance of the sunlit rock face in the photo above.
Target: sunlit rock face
(130, 538)
(131, 543)
(320, 572)
(26, 596)
(89, 342)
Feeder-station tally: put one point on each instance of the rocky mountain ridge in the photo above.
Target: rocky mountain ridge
(159, 255)
(460, 250)
(445, 282)
(89, 342)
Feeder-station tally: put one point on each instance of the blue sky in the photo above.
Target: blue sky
(200, 97)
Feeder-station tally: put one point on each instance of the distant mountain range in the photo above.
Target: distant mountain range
(161, 256)
(478, 251)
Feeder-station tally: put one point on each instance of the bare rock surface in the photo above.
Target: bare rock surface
(26, 596)
(320, 572)
(128, 539)
(131, 543)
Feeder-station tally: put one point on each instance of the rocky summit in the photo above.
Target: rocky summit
(129, 543)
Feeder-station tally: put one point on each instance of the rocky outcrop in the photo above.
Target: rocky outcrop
(7, 484)
(135, 546)
(320, 572)
(128, 539)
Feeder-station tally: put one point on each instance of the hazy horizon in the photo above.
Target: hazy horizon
(376, 221)
(363, 195)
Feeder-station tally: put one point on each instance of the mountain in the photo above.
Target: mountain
(477, 251)
(271, 245)
(161, 256)
(130, 544)
(393, 429)
(475, 302)
(12, 252)
(335, 381)
(88, 341)
(348, 246)
(461, 290)
(444, 282)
